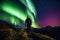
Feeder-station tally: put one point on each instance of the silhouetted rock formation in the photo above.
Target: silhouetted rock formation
(7, 32)
(53, 32)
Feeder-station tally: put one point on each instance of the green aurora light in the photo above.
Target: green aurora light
(29, 5)
(16, 11)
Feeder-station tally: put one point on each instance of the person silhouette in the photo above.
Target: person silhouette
(28, 24)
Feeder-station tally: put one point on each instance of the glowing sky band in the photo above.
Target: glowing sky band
(12, 9)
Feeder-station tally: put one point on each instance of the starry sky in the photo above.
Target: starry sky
(48, 12)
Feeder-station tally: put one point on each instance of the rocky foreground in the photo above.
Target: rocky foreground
(7, 32)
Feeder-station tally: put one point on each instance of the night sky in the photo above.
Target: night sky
(48, 12)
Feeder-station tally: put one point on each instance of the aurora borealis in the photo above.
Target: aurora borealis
(19, 11)
(45, 12)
